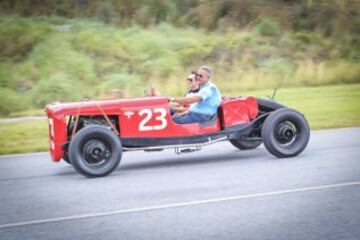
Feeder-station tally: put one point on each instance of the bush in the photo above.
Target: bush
(18, 36)
(278, 65)
(122, 81)
(58, 87)
(268, 27)
(5, 74)
(106, 13)
(56, 54)
(304, 37)
(11, 101)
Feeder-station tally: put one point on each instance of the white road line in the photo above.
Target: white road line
(175, 205)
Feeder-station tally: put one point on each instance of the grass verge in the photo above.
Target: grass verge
(324, 107)
(29, 112)
(22, 137)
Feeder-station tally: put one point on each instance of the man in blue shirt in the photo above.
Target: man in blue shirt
(204, 104)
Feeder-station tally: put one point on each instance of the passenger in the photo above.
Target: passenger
(176, 108)
(151, 92)
(194, 86)
(204, 104)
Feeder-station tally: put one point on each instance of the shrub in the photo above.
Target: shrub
(304, 37)
(280, 69)
(18, 36)
(58, 87)
(11, 101)
(5, 74)
(106, 13)
(122, 81)
(278, 65)
(268, 27)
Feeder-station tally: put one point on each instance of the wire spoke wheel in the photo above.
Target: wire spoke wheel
(95, 151)
(285, 133)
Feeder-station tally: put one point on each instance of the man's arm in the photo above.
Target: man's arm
(186, 100)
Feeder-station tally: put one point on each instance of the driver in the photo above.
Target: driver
(204, 104)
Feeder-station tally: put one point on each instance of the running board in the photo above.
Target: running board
(180, 150)
(197, 145)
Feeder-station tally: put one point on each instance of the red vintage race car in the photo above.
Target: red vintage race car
(92, 135)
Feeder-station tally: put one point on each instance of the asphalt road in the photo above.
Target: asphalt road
(217, 193)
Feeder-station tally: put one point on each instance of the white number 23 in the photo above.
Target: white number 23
(160, 115)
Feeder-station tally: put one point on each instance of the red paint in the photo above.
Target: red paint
(238, 111)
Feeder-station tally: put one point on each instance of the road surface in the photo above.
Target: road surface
(217, 193)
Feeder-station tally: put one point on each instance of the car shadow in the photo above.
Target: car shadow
(188, 160)
(154, 162)
(66, 171)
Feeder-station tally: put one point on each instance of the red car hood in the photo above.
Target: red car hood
(108, 106)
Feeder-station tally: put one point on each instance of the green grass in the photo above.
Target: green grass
(28, 112)
(21, 137)
(324, 107)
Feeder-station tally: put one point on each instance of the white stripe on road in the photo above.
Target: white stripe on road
(175, 205)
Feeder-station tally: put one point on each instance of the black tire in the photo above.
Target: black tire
(66, 158)
(245, 145)
(285, 133)
(95, 151)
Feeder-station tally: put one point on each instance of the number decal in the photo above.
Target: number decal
(148, 115)
(161, 118)
(160, 115)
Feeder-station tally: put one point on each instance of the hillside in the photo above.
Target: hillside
(66, 57)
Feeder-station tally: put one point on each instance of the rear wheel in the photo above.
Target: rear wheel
(95, 151)
(245, 144)
(285, 133)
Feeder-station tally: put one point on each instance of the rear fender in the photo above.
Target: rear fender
(268, 105)
(248, 129)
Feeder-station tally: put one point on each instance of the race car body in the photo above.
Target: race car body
(92, 135)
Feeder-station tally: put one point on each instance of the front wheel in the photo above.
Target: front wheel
(66, 158)
(95, 151)
(285, 133)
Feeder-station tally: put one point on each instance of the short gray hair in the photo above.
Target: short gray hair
(207, 69)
